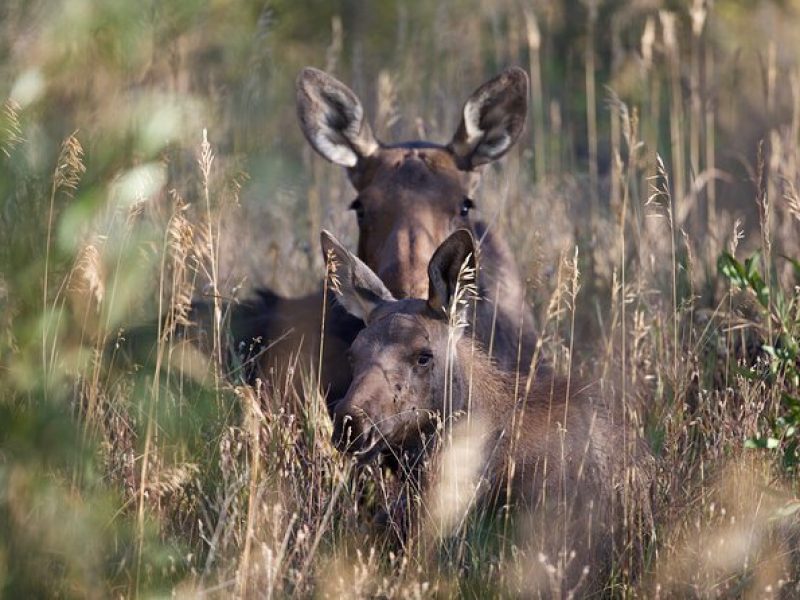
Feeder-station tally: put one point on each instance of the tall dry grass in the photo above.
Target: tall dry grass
(167, 473)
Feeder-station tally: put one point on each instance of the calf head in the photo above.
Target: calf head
(411, 195)
(402, 386)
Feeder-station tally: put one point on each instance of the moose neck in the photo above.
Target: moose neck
(485, 390)
(504, 316)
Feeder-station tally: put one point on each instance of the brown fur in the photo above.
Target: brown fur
(558, 450)
(411, 196)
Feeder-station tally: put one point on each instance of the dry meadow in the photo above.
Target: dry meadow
(150, 156)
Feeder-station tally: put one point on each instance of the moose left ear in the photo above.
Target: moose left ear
(332, 118)
(455, 252)
(492, 119)
(357, 288)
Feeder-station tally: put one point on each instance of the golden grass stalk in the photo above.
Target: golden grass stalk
(205, 162)
(457, 320)
(534, 39)
(11, 130)
(670, 37)
(66, 176)
(591, 101)
(698, 13)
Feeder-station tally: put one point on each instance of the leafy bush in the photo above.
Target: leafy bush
(778, 365)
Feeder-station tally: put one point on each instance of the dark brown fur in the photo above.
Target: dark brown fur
(412, 195)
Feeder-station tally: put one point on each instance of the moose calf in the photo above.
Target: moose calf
(555, 454)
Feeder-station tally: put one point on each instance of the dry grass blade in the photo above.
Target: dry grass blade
(87, 280)
(69, 166)
(11, 129)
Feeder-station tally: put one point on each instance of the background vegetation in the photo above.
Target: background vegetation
(149, 154)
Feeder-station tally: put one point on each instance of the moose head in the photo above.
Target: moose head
(410, 195)
(403, 361)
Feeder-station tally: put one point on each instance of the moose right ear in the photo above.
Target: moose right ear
(332, 118)
(455, 252)
(357, 288)
(492, 119)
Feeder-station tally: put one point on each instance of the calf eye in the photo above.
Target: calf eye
(424, 358)
(358, 207)
(466, 206)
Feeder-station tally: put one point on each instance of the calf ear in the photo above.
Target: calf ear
(492, 119)
(454, 258)
(332, 118)
(357, 288)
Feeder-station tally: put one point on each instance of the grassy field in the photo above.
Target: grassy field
(150, 155)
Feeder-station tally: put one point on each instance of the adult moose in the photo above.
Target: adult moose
(410, 197)
(413, 371)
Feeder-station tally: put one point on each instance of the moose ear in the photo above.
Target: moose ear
(456, 251)
(332, 118)
(492, 119)
(357, 288)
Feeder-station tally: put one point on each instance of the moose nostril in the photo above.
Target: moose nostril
(347, 430)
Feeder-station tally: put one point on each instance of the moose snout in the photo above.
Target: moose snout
(348, 429)
(403, 263)
(357, 426)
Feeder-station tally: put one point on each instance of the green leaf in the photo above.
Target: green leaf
(770, 443)
(759, 287)
(746, 372)
(731, 268)
(790, 401)
(750, 265)
(745, 275)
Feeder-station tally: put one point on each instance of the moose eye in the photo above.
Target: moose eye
(466, 206)
(424, 358)
(358, 207)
